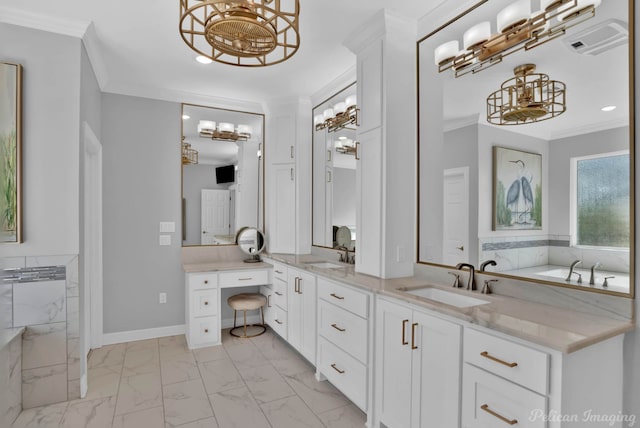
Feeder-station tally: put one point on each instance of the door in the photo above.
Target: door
(455, 230)
(393, 347)
(436, 372)
(214, 218)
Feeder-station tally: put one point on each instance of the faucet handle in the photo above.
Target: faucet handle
(579, 281)
(486, 289)
(456, 281)
(605, 283)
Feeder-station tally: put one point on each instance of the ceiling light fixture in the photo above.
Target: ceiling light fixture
(186, 117)
(241, 32)
(345, 146)
(526, 98)
(608, 108)
(517, 29)
(224, 131)
(203, 59)
(189, 155)
(341, 115)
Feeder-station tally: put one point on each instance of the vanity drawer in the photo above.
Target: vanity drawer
(279, 325)
(279, 270)
(244, 277)
(344, 329)
(280, 294)
(199, 281)
(518, 363)
(204, 303)
(343, 371)
(344, 297)
(204, 331)
(489, 401)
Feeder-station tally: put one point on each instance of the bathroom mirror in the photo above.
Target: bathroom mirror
(251, 242)
(222, 174)
(533, 196)
(334, 176)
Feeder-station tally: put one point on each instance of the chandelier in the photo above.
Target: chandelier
(526, 98)
(341, 115)
(517, 29)
(224, 131)
(189, 155)
(241, 32)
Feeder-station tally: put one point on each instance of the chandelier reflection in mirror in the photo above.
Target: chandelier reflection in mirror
(526, 98)
(341, 115)
(189, 155)
(346, 146)
(223, 131)
(241, 32)
(517, 29)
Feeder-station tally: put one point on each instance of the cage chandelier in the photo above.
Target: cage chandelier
(526, 98)
(241, 32)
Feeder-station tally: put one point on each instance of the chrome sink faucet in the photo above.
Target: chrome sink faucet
(592, 279)
(344, 258)
(573, 265)
(471, 282)
(486, 263)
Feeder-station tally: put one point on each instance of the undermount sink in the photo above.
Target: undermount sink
(324, 265)
(446, 297)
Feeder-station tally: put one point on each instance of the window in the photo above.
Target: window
(603, 201)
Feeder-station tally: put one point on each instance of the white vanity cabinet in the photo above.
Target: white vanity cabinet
(344, 355)
(277, 300)
(301, 310)
(417, 369)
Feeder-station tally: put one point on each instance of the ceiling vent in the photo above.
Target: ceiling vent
(599, 38)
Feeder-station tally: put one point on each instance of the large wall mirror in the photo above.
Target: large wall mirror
(526, 142)
(334, 175)
(222, 174)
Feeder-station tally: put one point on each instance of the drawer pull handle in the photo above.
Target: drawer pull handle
(206, 303)
(404, 328)
(278, 293)
(413, 335)
(497, 360)
(486, 408)
(277, 271)
(245, 279)
(338, 328)
(333, 366)
(206, 281)
(206, 330)
(336, 296)
(278, 321)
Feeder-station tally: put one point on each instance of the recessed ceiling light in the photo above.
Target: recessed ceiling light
(342, 138)
(608, 108)
(203, 59)
(185, 117)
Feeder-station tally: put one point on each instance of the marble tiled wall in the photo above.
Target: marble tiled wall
(51, 348)
(10, 381)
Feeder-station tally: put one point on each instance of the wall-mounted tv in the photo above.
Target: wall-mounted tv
(225, 174)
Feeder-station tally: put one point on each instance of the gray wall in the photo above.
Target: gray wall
(196, 178)
(50, 113)
(344, 197)
(141, 185)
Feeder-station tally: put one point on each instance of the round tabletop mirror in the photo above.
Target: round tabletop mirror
(251, 241)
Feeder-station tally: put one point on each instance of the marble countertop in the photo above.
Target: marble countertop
(221, 266)
(564, 330)
(8, 334)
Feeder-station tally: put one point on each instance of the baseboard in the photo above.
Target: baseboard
(149, 333)
(251, 319)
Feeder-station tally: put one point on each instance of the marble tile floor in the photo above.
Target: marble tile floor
(159, 383)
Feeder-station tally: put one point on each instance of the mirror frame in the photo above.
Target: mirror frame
(262, 164)
(632, 240)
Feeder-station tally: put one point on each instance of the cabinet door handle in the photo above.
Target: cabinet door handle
(497, 360)
(299, 285)
(292, 178)
(404, 328)
(329, 155)
(413, 335)
(336, 296)
(357, 151)
(268, 300)
(291, 152)
(486, 408)
(277, 271)
(338, 328)
(206, 330)
(278, 293)
(206, 281)
(278, 321)
(328, 176)
(206, 303)
(337, 369)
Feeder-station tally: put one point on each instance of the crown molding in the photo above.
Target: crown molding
(460, 122)
(173, 95)
(444, 12)
(588, 129)
(92, 47)
(65, 27)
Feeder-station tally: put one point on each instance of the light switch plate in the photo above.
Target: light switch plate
(167, 226)
(165, 239)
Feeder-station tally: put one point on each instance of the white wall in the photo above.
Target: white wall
(344, 197)
(141, 188)
(51, 111)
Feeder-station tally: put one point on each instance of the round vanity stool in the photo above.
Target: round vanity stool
(247, 302)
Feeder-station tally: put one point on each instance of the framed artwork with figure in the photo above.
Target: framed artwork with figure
(10, 152)
(517, 189)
